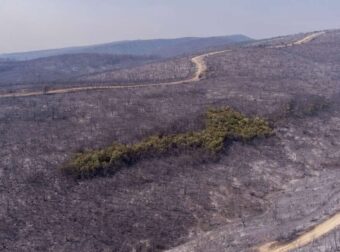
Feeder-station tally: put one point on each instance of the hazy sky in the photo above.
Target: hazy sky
(41, 24)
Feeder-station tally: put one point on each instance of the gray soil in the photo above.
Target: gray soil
(252, 193)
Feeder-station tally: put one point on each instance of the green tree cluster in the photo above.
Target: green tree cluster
(221, 125)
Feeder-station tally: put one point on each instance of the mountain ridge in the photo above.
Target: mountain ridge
(160, 47)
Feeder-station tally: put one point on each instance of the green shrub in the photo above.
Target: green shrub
(221, 125)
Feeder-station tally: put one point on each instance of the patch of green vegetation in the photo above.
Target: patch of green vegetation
(221, 125)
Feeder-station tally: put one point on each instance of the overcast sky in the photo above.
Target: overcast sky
(41, 24)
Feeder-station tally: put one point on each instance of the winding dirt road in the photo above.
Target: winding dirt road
(306, 238)
(198, 61)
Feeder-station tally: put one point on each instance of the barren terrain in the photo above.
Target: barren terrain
(272, 189)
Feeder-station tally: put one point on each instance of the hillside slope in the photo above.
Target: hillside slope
(156, 47)
(64, 68)
(249, 194)
(72, 65)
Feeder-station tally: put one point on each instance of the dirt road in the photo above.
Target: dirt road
(306, 238)
(302, 41)
(308, 38)
(198, 61)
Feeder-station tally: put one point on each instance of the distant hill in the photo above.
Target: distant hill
(64, 67)
(156, 47)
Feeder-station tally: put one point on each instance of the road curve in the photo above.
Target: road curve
(198, 61)
(306, 238)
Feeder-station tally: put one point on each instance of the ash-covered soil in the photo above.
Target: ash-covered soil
(250, 194)
(328, 243)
